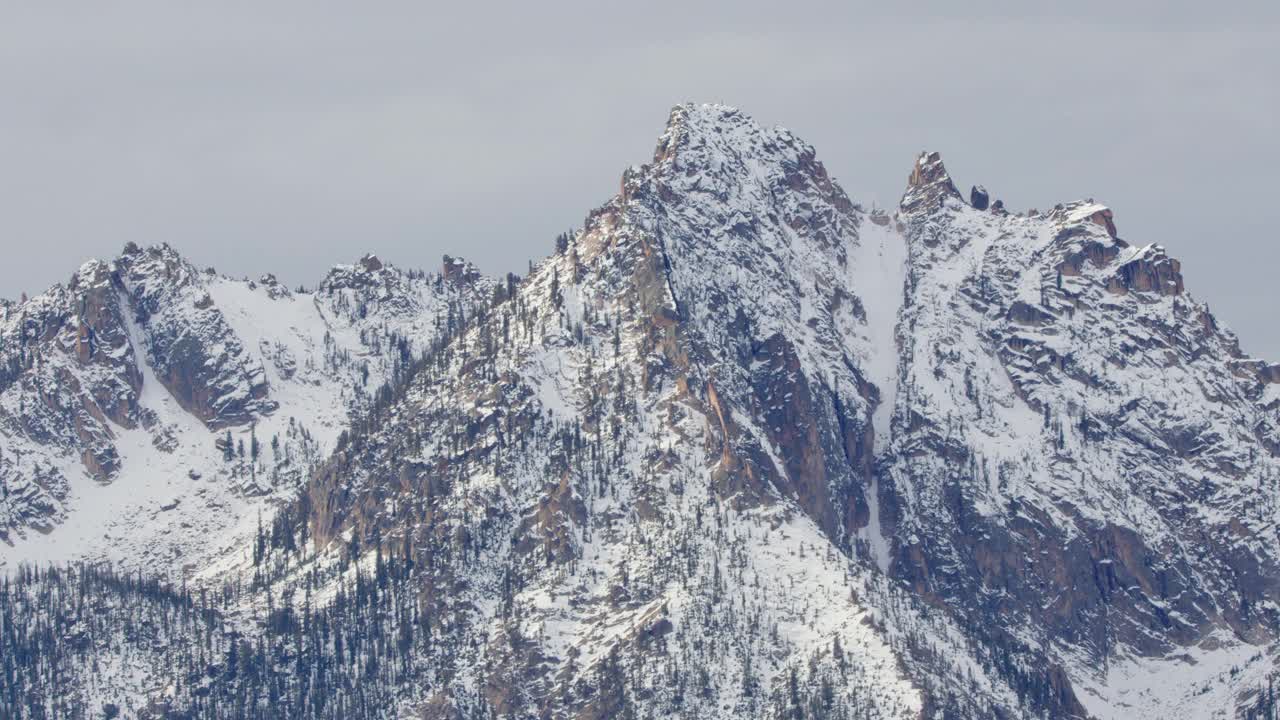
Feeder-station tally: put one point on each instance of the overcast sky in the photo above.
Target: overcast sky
(286, 137)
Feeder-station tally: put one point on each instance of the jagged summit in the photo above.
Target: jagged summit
(702, 123)
(721, 149)
(718, 155)
(730, 131)
(929, 184)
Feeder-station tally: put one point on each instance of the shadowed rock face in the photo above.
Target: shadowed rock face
(459, 272)
(190, 345)
(1151, 271)
(979, 198)
(1269, 373)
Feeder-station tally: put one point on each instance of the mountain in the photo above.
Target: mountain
(739, 448)
(132, 392)
(1080, 449)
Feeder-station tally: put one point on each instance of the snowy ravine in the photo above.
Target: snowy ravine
(738, 448)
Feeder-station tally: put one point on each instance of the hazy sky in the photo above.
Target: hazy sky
(286, 137)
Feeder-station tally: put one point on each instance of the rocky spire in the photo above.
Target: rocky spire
(929, 184)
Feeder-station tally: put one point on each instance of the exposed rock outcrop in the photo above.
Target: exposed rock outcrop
(979, 198)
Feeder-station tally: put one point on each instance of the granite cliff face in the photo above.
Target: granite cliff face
(738, 448)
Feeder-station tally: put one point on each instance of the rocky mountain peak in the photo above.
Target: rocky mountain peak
(719, 163)
(1080, 211)
(459, 271)
(368, 271)
(692, 123)
(718, 146)
(929, 184)
(91, 274)
(155, 272)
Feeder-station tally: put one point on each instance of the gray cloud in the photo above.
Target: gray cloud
(287, 137)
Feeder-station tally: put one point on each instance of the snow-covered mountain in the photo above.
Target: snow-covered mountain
(739, 448)
(149, 407)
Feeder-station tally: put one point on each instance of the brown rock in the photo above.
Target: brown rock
(1152, 271)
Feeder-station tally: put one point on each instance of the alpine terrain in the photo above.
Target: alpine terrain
(740, 447)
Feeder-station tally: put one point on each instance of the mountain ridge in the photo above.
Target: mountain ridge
(736, 416)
